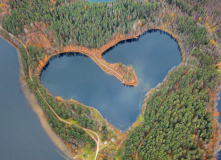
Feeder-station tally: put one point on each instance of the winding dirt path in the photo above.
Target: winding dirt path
(65, 121)
(90, 132)
(106, 66)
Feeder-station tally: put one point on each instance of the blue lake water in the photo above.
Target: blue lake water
(219, 109)
(21, 133)
(75, 76)
(22, 136)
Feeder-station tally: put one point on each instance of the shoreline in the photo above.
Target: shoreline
(148, 95)
(86, 51)
(96, 54)
(218, 124)
(32, 101)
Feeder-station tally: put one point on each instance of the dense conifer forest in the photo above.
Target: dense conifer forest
(179, 121)
(88, 24)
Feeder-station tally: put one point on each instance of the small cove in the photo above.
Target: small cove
(75, 76)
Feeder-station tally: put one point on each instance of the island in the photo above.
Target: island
(179, 118)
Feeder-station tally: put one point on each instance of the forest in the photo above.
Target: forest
(89, 24)
(69, 133)
(178, 121)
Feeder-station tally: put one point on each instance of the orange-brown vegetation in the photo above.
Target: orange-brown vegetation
(42, 63)
(59, 99)
(211, 27)
(4, 8)
(37, 38)
(53, 1)
(219, 65)
(71, 100)
(213, 42)
(216, 114)
(76, 102)
(96, 55)
(42, 40)
(216, 137)
(1, 5)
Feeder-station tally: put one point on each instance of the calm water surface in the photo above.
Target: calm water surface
(78, 77)
(21, 134)
(75, 76)
(219, 109)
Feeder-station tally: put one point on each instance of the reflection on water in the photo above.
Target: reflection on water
(21, 134)
(77, 77)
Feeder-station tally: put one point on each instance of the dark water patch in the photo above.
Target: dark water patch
(137, 39)
(21, 134)
(219, 110)
(152, 55)
(67, 54)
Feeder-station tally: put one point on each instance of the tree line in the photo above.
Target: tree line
(89, 24)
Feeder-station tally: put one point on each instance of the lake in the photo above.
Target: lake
(21, 134)
(219, 109)
(75, 76)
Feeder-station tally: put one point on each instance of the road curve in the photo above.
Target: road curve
(61, 119)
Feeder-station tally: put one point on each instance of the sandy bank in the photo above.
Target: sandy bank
(37, 108)
(96, 56)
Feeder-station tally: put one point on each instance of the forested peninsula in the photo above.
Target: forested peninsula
(179, 116)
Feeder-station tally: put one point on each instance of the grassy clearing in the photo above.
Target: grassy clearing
(73, 121)
(87, 153)
(141, 118)
(118, 156)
